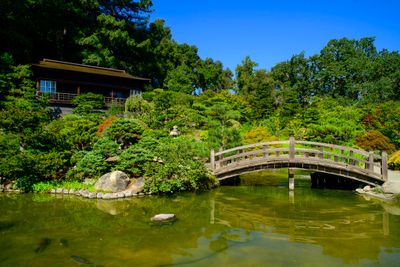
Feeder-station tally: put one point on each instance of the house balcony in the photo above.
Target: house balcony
(66, 99)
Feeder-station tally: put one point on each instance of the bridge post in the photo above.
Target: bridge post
(384, 166)
(370, 161)
(212, 160)
(291, 179)
(291, 147)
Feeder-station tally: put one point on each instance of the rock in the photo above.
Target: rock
(174, 132)
(392, 187)
(113, 196)
(112, 159)
(85, 193)
(99, 195)
(72, 191)
(120, 195)
(163, 217)
(65, 191)
(141, 194)
(59, 191)
(114, 181)
(360, 191)
(53, 191)
(367, 188)
(136, 185)
(128, 194)
(107, 196)
(92, 195)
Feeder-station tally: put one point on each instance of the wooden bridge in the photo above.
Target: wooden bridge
(347, 162)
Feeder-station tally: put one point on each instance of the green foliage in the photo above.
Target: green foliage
(72, 132)
(133, 159)
(125, 132)
(333, 123)
(88, 102)
(93, 164)
(177, 168)
(138, 106)
(349, 90)
(46, 186)
(394, 161)
(257, 135)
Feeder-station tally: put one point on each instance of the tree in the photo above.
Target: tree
(125, 132)
(212, 76)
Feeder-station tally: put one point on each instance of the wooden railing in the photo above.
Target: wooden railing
(61, 98)
(294, 151)
(66, 98)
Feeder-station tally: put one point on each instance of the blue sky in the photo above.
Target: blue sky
(272, 31)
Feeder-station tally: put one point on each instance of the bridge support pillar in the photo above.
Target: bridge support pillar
(291, 179)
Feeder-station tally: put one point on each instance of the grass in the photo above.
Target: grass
(45, 187)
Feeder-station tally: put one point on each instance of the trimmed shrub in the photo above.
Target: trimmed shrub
(374, 140)
(125, 132)
(257, 135)
(394, 161)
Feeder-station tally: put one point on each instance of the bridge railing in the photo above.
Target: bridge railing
(295, 150)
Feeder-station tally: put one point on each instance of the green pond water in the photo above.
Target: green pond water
(255, 224)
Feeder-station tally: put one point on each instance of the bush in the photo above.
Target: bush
(257, 135)
(177, 167)
(86, 103)
(125, 132)
(133, 159)
(394, 161)
(93, 164)
(103, 126)
(374, 140)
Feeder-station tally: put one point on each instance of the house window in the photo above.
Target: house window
(47, 86)
(134, 92)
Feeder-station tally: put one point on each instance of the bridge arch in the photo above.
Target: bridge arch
(347, 162)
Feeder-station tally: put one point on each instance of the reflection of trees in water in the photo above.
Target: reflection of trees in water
(209, 226)
(345, 230)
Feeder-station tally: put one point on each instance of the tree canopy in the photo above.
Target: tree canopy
(348, 93)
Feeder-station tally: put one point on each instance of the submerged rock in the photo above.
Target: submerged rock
(43, 244)
(113, 181)
(163, 217)
(81, 261)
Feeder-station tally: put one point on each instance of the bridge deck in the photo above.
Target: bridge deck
(347, 162)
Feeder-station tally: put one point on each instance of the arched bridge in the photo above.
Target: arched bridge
(356, 164)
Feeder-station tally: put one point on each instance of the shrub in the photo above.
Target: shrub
(125, 132)
(177, 167)
(103, 126)
(394, 161)
(93, 164)
(257, 135)
(86, 103)
(133, 159)
(374, 140)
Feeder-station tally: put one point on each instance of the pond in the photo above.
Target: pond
(258, 223)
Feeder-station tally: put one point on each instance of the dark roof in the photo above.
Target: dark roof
(69, 66)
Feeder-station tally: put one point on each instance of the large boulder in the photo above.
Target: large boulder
(115, 181)
(136, 186)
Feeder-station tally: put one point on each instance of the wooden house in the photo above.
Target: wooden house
(63, 81)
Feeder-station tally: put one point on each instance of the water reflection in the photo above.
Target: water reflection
(235, 226)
